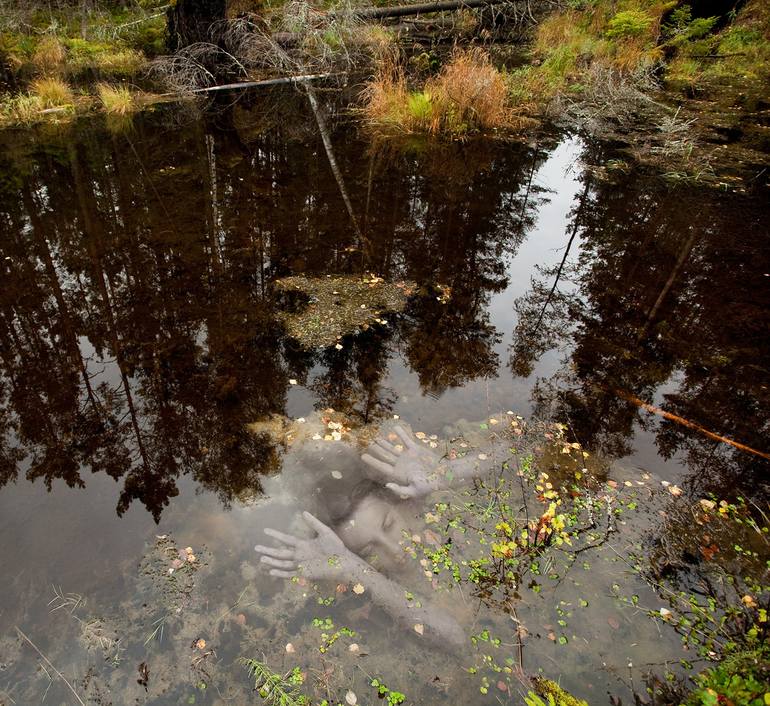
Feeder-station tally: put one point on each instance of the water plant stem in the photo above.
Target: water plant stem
(48, 662)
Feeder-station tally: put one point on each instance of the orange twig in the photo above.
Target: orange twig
(686, 423)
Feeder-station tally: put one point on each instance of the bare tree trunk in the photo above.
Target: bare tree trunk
(189, 21)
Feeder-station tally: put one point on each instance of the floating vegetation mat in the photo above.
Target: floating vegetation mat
(321, 310)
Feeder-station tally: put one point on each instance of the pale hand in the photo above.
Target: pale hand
(323, 557)
(410, 471)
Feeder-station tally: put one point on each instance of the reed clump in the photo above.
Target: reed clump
(468, 95)
(30, 107)
(52, 92)
(116, 99)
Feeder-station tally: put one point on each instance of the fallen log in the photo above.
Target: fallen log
(379, 13)
(238, 85)
(265, 82)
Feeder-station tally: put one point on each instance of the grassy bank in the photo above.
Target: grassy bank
(54, 57)
(597, 51)
(640, 41)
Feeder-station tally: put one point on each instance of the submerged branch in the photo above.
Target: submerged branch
(686, 423)
(48, 662)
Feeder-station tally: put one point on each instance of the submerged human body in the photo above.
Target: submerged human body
(377, 525)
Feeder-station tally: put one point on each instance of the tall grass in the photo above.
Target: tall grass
(53, 92)
(122, 63)
(116, 100)
(49, 55)
(27, 108)
(468, 94)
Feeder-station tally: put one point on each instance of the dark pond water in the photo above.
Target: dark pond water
(139, 337)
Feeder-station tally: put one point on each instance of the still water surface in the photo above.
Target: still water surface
(139, 338)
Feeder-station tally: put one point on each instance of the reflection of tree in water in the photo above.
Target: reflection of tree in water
(465, 217)
(137, 336)
(176, 327)
(670, 289)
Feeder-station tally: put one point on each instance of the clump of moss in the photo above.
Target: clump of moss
(104, 59)
(550, 690)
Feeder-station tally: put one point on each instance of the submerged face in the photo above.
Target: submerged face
(375, 531)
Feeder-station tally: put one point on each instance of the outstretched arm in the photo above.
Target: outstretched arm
(326, 557)
(410, 470)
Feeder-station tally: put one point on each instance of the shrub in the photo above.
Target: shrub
(117, 100)
(52, 92)
(629, 23)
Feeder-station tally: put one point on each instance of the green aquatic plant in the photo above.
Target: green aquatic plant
(524, 523)
(328, 638)
(743, 677)
(392, 697)
(276, 689)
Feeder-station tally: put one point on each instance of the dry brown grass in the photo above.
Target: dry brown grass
(556, 29)
(468, 94)
(470, 91)
(385, 97)
(53, 92)
(50, 55)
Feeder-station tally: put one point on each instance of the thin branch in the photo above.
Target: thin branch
(48, 662)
